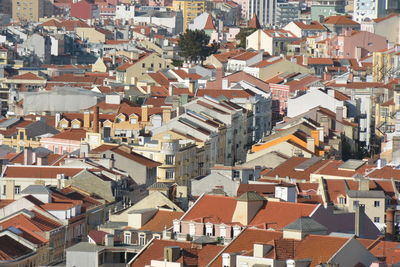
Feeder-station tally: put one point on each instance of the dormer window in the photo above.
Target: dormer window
(342, 200)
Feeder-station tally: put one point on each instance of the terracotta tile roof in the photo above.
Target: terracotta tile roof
(71, 134)
(313, 25)
(136, 157)
(125, 66)
(309, 188)
(51, 23)
(209, 23)
(189, 256)
(310, 248)
(263, 189)
(341, 96)
(88, 202)
(46, 172)
(377, 20)
(245, 56)
(387, 172)
(31, 236)
(97, 236)
(102, 148)
(319, 61)
(223, 57)
(184, 75)
(340, 20)
(212, 208)
(57, 206)
(332, 168)
(27, 76)
(14, 129)
(242, 245)
(38, 223)
(390, 251)
(161, 220)
(288, 169)
(254, 23)
(229, 94)
(280, 33)
(267, 62)
(10, 249)
(161, 78)
(276, 215)
(390, 102)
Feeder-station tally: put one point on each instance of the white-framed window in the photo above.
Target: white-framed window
(222, 231)
(236, 230)
(127, 238)
(169, 174)
(377, 203)
(142, 239)
(17, 189)
(177, 227)
(209, 229)
(133, 120)
(192, 229)
(376, 219)
(342, 200)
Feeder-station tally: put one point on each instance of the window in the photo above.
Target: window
(222, 231)
(4, 190)
(342, 200)
(133, 120)
(127, 238)
(17, 189)
(236, 174)
(142, 239)
(376, 219)
(192, 229)
(377, 204)
(169, 174)
(169, 159)
(209, 230)
(356, 203)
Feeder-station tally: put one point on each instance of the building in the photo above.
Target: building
(265, 10)
(31, 10)
(337, 24)
(84, 10)
(274, 42)
(190, 10)
(286, 13)
(305, 29)
(367, 10)
(355, 44)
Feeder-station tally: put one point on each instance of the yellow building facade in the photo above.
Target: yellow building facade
(190, 9)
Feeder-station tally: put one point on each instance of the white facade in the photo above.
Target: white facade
(312, 99)
(124, 12)
(238, 65)
(367, 10)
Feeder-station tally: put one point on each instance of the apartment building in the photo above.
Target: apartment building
(366, 10)
(31, 10)
(190, 9)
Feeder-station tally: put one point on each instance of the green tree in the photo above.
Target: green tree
(195, 45)
(242, 35)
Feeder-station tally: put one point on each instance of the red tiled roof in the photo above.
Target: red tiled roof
(288, 169)
(230, 94)
(11, 249)
(38, 223)
(388, 250)
(313, 25)
(245, 56)
(340, 20)
(254, 23)
(136, 157)
(71, 134)
(209, 23)
(377, 20)
(223, 57)
(27, 76)
(39, 171)
(162, 219)
(319, 61)
(189, 255)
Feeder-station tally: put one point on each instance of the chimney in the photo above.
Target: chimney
(339, 113)
(396, 149)
(359, 220)
(145, 113)
(96, 119)
(171, 90)
(191, 87)
(84, 150)
(219, 73)
(148, 89)
(305, 60)
(41, 160)
(28, 157)
(363, 184)
(390, 221)
(166, 115)
(315, 135)
(225, 84)
(57, 120)
(86, 119)
(109, 240)
(247, 206)
(259, 250)
(311, 144)
(172, 253)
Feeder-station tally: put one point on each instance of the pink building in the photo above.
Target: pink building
(355, 44)
(84, 10)
(64, 142)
